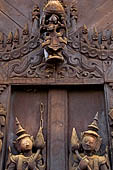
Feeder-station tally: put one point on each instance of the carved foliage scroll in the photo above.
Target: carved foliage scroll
(50, 51)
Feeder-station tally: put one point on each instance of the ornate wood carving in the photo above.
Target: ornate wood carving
(85, 151)
(2, 88)
(84, 55)
(24, 144)
(55, 49)
(2, 124)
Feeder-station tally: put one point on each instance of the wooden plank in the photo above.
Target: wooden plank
(10, 26)
(23, 6)
(5, 101)
(84, 103)
(100, 13)
(57, 140)
(13, 14)
(21, 12)
(25, 105)
(91, 12)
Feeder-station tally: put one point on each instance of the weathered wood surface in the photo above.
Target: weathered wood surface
(92, 13)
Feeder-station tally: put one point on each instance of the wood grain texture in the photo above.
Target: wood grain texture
(92, 13)
(57, 158)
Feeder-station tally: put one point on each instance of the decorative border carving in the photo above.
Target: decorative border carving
(2, 124)
(85, 57)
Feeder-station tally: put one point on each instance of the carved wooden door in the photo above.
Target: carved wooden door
(64, 108)
(48, 55)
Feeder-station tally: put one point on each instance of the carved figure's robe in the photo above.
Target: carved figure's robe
(95, 162)
(20, 162)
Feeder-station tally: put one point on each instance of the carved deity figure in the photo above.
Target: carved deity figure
(26, 159)
(84, 152)
(53, 31)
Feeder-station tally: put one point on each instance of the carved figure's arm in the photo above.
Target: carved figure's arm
(40, 163)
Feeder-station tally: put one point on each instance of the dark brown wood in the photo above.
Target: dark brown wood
(25, 102)
(5, 101)
(86, 102)
(57, 142)
(72, 91)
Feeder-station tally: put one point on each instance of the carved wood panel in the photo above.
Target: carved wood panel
(65, 108)
(25, 105)
(55, 47)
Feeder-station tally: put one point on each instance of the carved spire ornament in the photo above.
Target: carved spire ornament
(15, 39)
(25, 34)
(9, 41)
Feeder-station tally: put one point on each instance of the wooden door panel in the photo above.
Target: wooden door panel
(92, 13)
(57, 129)
(25, 105)
(65, 108)
(84, 103)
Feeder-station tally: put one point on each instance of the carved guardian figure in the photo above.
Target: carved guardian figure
(84, 152)
(26, 159)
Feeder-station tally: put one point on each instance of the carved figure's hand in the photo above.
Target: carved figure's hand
(83, 164)
(32, 165)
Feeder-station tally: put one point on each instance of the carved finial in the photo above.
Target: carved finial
(95, 34)
(104, 41)
(84, 29)
(1, 42)
(74, 12)
(95, 30)
(9, 42)
(104, 37)
(25, 35)
(35, 21)
(16, 35)
(1, 38)
(10, 38)
(16, 39)
(35, 13)
(26, 30)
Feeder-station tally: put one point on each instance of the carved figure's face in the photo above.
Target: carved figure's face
(26, 144)
(89, 142)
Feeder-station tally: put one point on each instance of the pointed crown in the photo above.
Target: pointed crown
(20, 131)
(93, 127)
